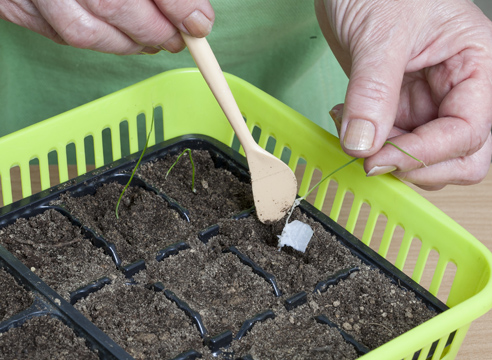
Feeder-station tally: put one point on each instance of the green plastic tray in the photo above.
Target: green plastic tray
(183, 104)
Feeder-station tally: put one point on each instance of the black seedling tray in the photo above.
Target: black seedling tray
(48, 302)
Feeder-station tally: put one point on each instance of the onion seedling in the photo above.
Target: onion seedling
(298, 234)
(135, 168)
(298, 200)
(192, 168)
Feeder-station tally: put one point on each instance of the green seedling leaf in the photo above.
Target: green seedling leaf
(298, 200)
(192, 168)
(135, 168)
(403, 151)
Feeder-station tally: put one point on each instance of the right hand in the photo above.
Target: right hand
(118, 27)
(420, 73)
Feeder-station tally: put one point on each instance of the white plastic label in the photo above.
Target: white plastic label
(296, 235)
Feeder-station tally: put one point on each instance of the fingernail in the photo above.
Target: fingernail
(174, 44)
(380, 170)
(198, 24)
(359, 135)
(149, 51)
(334, 113)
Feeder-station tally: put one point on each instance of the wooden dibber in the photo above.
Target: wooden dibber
(273, 182)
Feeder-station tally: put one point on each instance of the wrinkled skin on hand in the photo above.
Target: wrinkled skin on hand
(421, 74)
(113, 26)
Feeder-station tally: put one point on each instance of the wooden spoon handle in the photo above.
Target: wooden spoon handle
(209, 67)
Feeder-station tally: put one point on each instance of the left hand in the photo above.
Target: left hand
(117, 27)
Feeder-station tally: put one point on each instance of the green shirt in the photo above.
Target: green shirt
(276, 45)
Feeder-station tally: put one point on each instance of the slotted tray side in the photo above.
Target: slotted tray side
(182, 104)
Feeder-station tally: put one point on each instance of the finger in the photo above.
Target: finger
(140, 20)
(370, 105)
(372, 97)
(25, 14)
(81, 29)
(174, 44)
(467, 170)
(193, 17)
(336, 114)
(417, 105)
(459, 133)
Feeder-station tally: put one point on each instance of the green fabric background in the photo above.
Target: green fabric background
(276, 45)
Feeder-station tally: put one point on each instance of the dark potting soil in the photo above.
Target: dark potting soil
(145, 225)
(144, 322)
(222, 289)
(13, 297)
(306, 338)
(218, 193)
(44, 338)
(212, 276)
(370, 308)
(56, 251)
(294, 271)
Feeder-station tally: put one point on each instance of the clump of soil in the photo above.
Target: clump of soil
(42, 338)
(56, 251)
(13, 297)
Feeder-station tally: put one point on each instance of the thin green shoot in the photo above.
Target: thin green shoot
(135, 168)
(403, 151)
(298, 200)
(192, 168)
(327, 176)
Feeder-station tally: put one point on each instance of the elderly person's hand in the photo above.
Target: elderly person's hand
(421, 74)
(119, 27)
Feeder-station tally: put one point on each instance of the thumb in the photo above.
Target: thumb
(372, 99)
